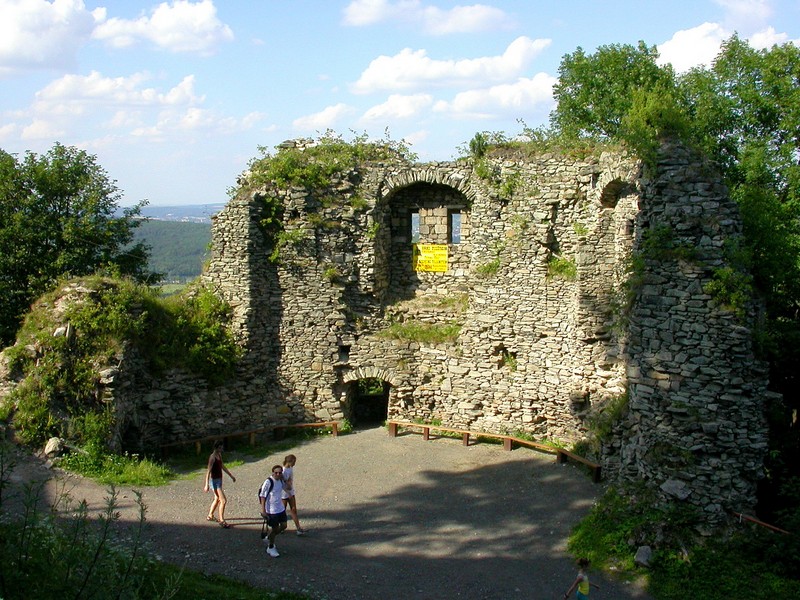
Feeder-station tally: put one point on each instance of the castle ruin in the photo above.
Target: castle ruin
(526, 274)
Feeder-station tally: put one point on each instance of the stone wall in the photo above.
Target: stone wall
(539, 351)
(696, 424)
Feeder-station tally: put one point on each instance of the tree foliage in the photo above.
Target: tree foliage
(744, 113)
(58, 216)
(595, 92)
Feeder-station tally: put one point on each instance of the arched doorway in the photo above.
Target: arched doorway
(368, 400)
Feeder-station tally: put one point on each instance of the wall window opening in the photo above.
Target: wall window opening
(454, 225)
(415, 227)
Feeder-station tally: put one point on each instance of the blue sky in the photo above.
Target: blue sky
(174, 98)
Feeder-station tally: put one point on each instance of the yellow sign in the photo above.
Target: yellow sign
(430, 257)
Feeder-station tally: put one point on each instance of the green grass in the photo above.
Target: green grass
(744, 564)
(118, 469)
(194, 586)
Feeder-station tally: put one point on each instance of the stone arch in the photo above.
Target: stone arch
(611, 193)
(370, 373)
(451, 176)
(369, 404)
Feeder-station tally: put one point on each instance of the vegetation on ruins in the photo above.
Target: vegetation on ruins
(315, 167)
(59, 217)
(562, 268)
(742, 114)
(87, 325)
(491, 267)
(488, 268)
(286, 237)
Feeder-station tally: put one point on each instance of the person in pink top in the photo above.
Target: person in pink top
(214, 482)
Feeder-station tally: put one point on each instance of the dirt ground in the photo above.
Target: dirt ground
(385, 518)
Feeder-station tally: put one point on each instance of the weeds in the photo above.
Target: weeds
(101, 318)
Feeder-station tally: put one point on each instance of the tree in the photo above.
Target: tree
(595, 92)
(744, 113)
(59, 217)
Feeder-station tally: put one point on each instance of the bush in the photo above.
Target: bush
(98, 317)
(684, 565)
(563, 268)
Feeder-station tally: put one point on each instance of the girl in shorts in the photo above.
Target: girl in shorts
(287, 495)
(214, 482)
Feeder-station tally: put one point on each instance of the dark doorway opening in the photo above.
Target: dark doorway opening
(369, 401)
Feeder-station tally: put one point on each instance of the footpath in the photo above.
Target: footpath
(386, 518)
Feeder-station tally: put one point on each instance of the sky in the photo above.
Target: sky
(175, 98)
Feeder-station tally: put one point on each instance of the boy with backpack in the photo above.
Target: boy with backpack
(272, 509)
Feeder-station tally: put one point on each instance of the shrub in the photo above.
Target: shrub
(59, 394)
(488, 268)
(731, 289)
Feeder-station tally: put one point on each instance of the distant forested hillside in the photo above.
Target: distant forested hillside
(178, 248)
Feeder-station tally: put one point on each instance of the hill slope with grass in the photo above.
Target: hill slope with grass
(178, 248)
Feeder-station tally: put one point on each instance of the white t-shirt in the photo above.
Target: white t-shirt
(273, 504)
(288, 477)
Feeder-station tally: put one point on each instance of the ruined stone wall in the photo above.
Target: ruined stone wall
(539, 351)
(696, 424)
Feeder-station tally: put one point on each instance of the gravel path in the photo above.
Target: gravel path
(386, 518)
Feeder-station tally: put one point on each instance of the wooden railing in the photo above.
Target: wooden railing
(278, 431)
(742, 517)
(509, 441)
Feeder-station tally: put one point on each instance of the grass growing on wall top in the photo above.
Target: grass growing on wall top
(315, 166)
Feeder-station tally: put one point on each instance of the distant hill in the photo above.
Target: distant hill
(191, 213)
(178, 248)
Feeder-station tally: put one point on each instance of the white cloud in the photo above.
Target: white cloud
(433, 20)
(525, 96)
(416, 137)
(77, 93)
(94, 106)
(178, 26)
(412, 69)
(399, 107)
(767, 38)
(41, 129)
(693, 47)
(746, 14)
(369, 12)
(39, 34)
(323, 120)
(8, 131)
